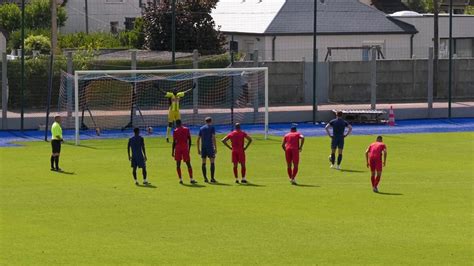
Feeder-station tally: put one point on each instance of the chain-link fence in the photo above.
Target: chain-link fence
(362, 79)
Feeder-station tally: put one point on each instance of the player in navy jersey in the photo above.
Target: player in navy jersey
(338, 126)
(207, 148)
(138, 157)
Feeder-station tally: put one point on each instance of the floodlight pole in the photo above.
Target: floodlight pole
(315, 59)
(22, 83)
(86, 9)
(450, 72)
(173, 32)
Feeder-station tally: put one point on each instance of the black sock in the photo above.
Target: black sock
(56, 162)
(213, 169)
(339, 159)
(52, 161)
(333, 158)
(204, 171)
(134, 172)
(144, 173)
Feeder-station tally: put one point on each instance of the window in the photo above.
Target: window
(114, 27)
(129, 23)
(462, 47)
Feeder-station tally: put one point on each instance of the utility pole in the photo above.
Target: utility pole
(173, 32)
(54, 25)
(436, 47)
(22, 83)
(86, 11)
(450, 57)
(315, 60)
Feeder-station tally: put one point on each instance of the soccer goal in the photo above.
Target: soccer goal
(92, 101)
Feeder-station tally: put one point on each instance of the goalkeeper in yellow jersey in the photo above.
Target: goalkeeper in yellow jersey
(173, 114)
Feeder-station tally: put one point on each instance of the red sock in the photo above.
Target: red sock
(290, 173)
(377, 180)
(190, 171)
(372, 180)
(236, 175)
(179, 172)
(295, 171)
(243, 171)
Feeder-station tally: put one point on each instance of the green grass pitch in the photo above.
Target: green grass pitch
(96, 215)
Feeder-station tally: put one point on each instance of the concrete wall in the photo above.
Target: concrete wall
(286, 81)
(101, 13)
(294, 48)
(398, 81)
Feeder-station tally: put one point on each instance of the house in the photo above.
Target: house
(463, 33)
(392, 6)
(283, 30)
(103, 15)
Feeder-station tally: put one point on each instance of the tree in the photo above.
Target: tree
(419, 6)
(38, 14)
(195, 27)
(10, 17)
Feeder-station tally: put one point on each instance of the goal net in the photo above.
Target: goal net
(101, 100)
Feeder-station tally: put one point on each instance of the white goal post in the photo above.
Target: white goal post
(231, 94)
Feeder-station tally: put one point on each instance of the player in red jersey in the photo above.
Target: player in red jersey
(292, 147)
(180, 149)
(373, 157)
(238, 137)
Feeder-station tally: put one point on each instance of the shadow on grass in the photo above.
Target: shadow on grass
(219, 184)
(79, 146)
(248, 184)
(352, 171)
(87, 147)
(64, 172)
(305, 185)
(389, 194)
(146, 186)
(192, 185)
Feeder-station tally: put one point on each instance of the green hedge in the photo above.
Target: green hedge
(37, 69)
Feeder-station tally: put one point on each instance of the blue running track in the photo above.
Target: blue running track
(9, 138)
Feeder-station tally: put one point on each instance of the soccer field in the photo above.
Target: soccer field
(94, 214)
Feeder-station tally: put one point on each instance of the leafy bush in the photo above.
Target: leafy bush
(94, 41)
(133, 38)
(10, 17)
(37, 42)
(38, 14)
(14, 41)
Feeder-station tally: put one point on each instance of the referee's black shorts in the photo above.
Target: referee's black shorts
(56, 146)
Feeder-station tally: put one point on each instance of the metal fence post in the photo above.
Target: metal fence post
(430, 81)
(255, 90)
(196, 89)
(4, 92)
(373, 79)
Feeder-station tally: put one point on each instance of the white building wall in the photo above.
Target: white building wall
(101, 14)
(291, 48)
(463, 27)
(249, 43)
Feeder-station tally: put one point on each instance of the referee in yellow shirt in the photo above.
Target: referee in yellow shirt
(56, 139)
(173, 113)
